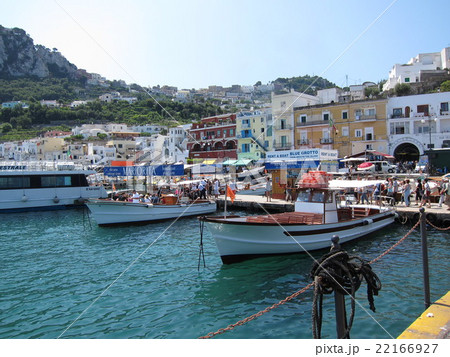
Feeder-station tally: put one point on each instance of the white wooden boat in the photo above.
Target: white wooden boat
(44, 186)
(317, 217)
(108, 212)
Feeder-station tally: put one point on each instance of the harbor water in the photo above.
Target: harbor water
(62, 276)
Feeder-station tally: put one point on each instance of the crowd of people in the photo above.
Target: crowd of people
(404, 192)
(199, 190)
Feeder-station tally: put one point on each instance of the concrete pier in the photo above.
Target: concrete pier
(433, 323)
(258, 204)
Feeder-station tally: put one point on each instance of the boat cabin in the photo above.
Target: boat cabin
(318, 201)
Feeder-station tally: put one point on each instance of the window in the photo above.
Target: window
(370, 112)
(407, 79)
(282, 124)
(302, 118)
(245, 147)
(358, 133)
(326, 116)
(345, 114)
(399, 128)
(397, 113)
(345, 131)
(369, 147)
(358, 114)
(444, 107)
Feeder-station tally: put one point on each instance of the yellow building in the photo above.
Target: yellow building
(347, 127)
(254, 134)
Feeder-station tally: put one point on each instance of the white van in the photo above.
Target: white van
(381, 167)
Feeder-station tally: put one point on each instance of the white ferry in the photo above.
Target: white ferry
(33, 186)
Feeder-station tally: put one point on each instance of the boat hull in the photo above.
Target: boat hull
(238, 240)
(107, 212)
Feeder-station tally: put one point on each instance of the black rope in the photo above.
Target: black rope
(339, 272)
(201, 253)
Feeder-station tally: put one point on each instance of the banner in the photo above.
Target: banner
(152, 170)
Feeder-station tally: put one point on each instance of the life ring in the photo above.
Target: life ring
(402, 218)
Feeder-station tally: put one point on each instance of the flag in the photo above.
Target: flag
(230, 194)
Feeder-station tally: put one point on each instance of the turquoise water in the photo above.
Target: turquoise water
(63, 276)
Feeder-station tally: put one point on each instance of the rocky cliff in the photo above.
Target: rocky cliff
(20, 57)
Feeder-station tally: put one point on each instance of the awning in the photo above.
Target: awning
(209, 161)
(242, 162)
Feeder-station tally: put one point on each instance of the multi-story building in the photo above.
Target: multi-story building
(283, 117)
(411, 72)
(254, 134)
(347, 127)
(213, 138)
(417, 123)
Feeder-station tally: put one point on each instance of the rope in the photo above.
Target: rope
(339, 272)
(438, 228)
(252, 317)
(201, 253)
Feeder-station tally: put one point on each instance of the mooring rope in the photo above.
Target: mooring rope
(252, 317)
(339, 272)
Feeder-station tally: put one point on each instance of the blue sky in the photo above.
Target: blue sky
(196, 43)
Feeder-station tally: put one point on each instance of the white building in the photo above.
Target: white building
(417, 123)
(410, 72)
(148, 128)
(283, 116)
(177, 144)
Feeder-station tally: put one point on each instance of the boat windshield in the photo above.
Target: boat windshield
(311, 195)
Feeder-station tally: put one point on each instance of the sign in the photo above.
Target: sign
(288, 165)
(152, 170)
(302, 154)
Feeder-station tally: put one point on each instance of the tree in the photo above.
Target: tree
(402, 89)
(445, 86)
(6, 128)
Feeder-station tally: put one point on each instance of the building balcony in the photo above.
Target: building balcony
(366, 117)
(282, 146)
(278, 127)
(303, 142)
(326, 141)
(312, 122)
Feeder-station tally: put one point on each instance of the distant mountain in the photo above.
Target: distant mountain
(20, 57)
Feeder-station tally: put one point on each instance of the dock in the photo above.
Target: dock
(434, 323)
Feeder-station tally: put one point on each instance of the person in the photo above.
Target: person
(136, 197)
(147, 199)
(377, 192)
(268, 190)
(443, 189)
(407, 193)
(447, 195)
(216, 188)
(202, 189)
(427, 194)
(288, 193)
(419, 191)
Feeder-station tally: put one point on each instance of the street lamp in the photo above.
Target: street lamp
(429, 133)
(429, 127)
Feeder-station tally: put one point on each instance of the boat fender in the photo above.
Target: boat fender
(149, 205)
(432, 218)
(56, 199)
(24, 198)
(367, 221)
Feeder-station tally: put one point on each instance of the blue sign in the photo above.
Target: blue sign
(287, 165)
(152, 170)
